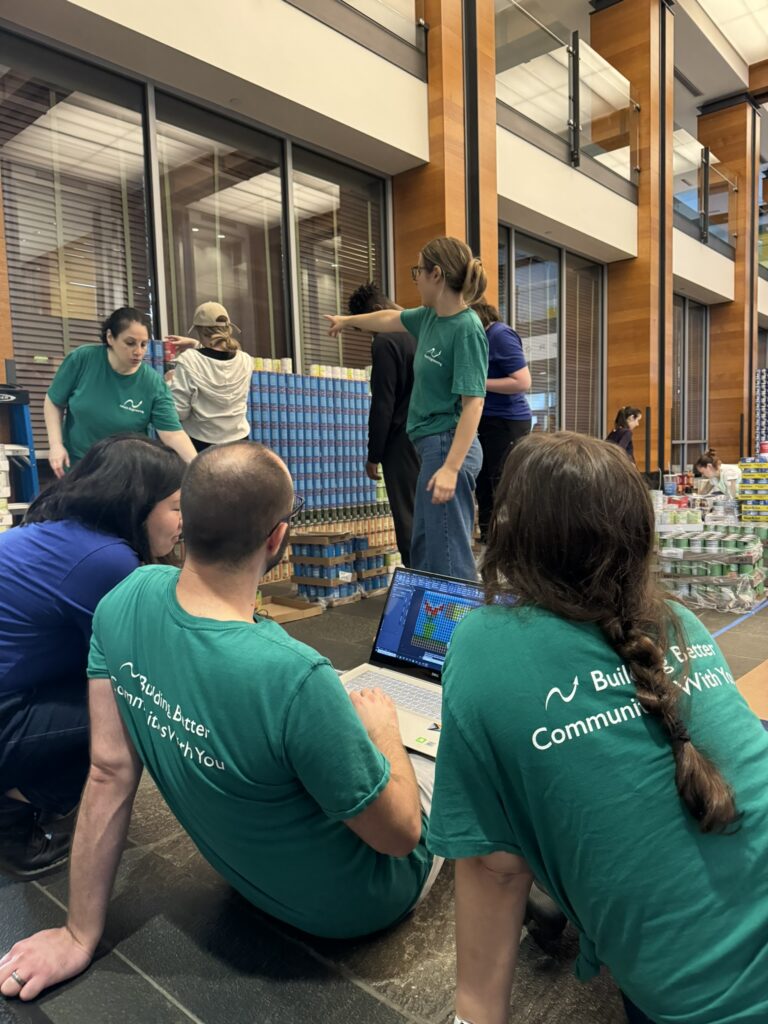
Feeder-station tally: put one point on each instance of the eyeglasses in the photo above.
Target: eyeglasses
(298, 505)
(415, 271)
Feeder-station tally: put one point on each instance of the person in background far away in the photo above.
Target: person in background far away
(506, 415)
(724, 478)
(388, 443)
(210, 384)
(627, 420)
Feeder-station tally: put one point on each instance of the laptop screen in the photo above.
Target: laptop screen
(419, 618)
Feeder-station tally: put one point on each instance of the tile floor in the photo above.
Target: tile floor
(182, 947)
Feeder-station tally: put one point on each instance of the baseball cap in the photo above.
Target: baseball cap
(212, 314)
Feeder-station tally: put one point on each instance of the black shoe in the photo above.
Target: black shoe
(545, 921)
(33, 842)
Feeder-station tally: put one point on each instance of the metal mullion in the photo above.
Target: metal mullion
(290, 240)
(561, 340)
(154, 213)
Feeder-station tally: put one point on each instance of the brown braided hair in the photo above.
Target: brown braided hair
(572, 532)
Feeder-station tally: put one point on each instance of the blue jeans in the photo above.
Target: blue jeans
(442, 534)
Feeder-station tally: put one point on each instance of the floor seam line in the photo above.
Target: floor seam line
(121, 956)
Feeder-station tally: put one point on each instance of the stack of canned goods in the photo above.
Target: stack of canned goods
(731, 560)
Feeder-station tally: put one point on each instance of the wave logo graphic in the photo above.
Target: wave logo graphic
(433, 355)
(557, 691)
(130, 406)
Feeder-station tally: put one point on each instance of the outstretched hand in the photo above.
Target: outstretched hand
(42, 960)
(335, 324)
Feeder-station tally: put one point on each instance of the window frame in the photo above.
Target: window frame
(686, 442)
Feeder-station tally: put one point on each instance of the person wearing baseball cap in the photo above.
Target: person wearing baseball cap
(211, 381)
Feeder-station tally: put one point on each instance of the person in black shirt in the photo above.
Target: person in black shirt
(391, 386)
(627, 420)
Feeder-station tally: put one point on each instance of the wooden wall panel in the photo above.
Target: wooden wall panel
(431, 200)
(628, 35)
(6, 333)
(733, 325)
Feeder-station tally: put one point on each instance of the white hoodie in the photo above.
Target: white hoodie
(211, 395)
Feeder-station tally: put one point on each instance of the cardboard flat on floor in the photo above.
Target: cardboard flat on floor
(754, 688)
(288, 609)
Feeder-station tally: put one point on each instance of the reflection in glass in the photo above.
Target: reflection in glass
(222, 208)
(583, 338)
(610, 119)
(690, 363)
(536, 320)
(72, 179)
(338, 223)
(397, 16)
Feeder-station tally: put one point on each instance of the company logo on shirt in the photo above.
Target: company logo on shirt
(433, 355)
(561, 695)
(130, 406)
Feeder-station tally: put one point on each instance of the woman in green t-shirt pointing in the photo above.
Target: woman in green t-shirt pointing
(593, 738)
(101, 390)
(450, 371)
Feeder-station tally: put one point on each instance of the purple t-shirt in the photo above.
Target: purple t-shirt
(505, 356)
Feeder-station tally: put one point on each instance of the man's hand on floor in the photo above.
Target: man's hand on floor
(42, 960)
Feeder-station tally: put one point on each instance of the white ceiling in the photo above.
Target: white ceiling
(744, 23)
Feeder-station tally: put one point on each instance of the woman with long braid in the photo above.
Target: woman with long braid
(594, 739)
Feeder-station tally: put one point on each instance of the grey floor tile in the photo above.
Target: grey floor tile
(204, 944)
(413, 964)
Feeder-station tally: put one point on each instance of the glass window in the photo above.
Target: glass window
(690, 364)
(73, 195)
(762, 349)
(338, 220)
(222, 224)
(583, 344)
(537, 321)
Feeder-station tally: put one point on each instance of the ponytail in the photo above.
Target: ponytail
(622, 416)
(475, 281)
(462, 271)
(699, 782)
(709, 458)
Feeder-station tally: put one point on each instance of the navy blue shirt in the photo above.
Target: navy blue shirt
(505, 356)
(53, 576)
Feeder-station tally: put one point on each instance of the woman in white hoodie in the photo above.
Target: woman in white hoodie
(210, 384)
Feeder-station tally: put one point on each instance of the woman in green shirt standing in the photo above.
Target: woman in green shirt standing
(593, 737)
(450, 372)
(106, 389)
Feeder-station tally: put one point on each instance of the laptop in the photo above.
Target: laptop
(421, 612)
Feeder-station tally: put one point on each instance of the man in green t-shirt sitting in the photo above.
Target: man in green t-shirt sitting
(302, 798)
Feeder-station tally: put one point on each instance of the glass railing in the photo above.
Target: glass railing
(704, 193)
(563, 85)
(397, 16)
(609, 117)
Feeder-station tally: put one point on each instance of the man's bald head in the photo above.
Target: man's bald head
(232, 497)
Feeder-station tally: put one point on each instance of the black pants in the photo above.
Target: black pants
(635, 1016)
(401, 471)
(497, 438)
(44, 744)
(200, 446)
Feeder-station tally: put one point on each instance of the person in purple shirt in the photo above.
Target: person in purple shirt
(506, 414)
(118, 508)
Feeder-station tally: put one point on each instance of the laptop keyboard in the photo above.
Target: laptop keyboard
(406, 696)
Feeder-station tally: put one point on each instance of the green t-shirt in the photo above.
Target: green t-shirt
(257, 750)
(101, 402)
(451, 360)
(546, 753)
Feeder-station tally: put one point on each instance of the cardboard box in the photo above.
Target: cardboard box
(288, 609)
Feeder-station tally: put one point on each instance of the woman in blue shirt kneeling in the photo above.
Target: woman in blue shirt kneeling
(117, 509)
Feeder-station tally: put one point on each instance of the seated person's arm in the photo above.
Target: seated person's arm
(392, 823)
(491, 895)
(348, 755)
(57, 954)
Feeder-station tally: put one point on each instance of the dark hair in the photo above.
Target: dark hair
(364, 298)
(572, 532)
(488, 314)
(114, 488)
(708, 458)
(622, 417)
(232, 498)
(120, 320)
